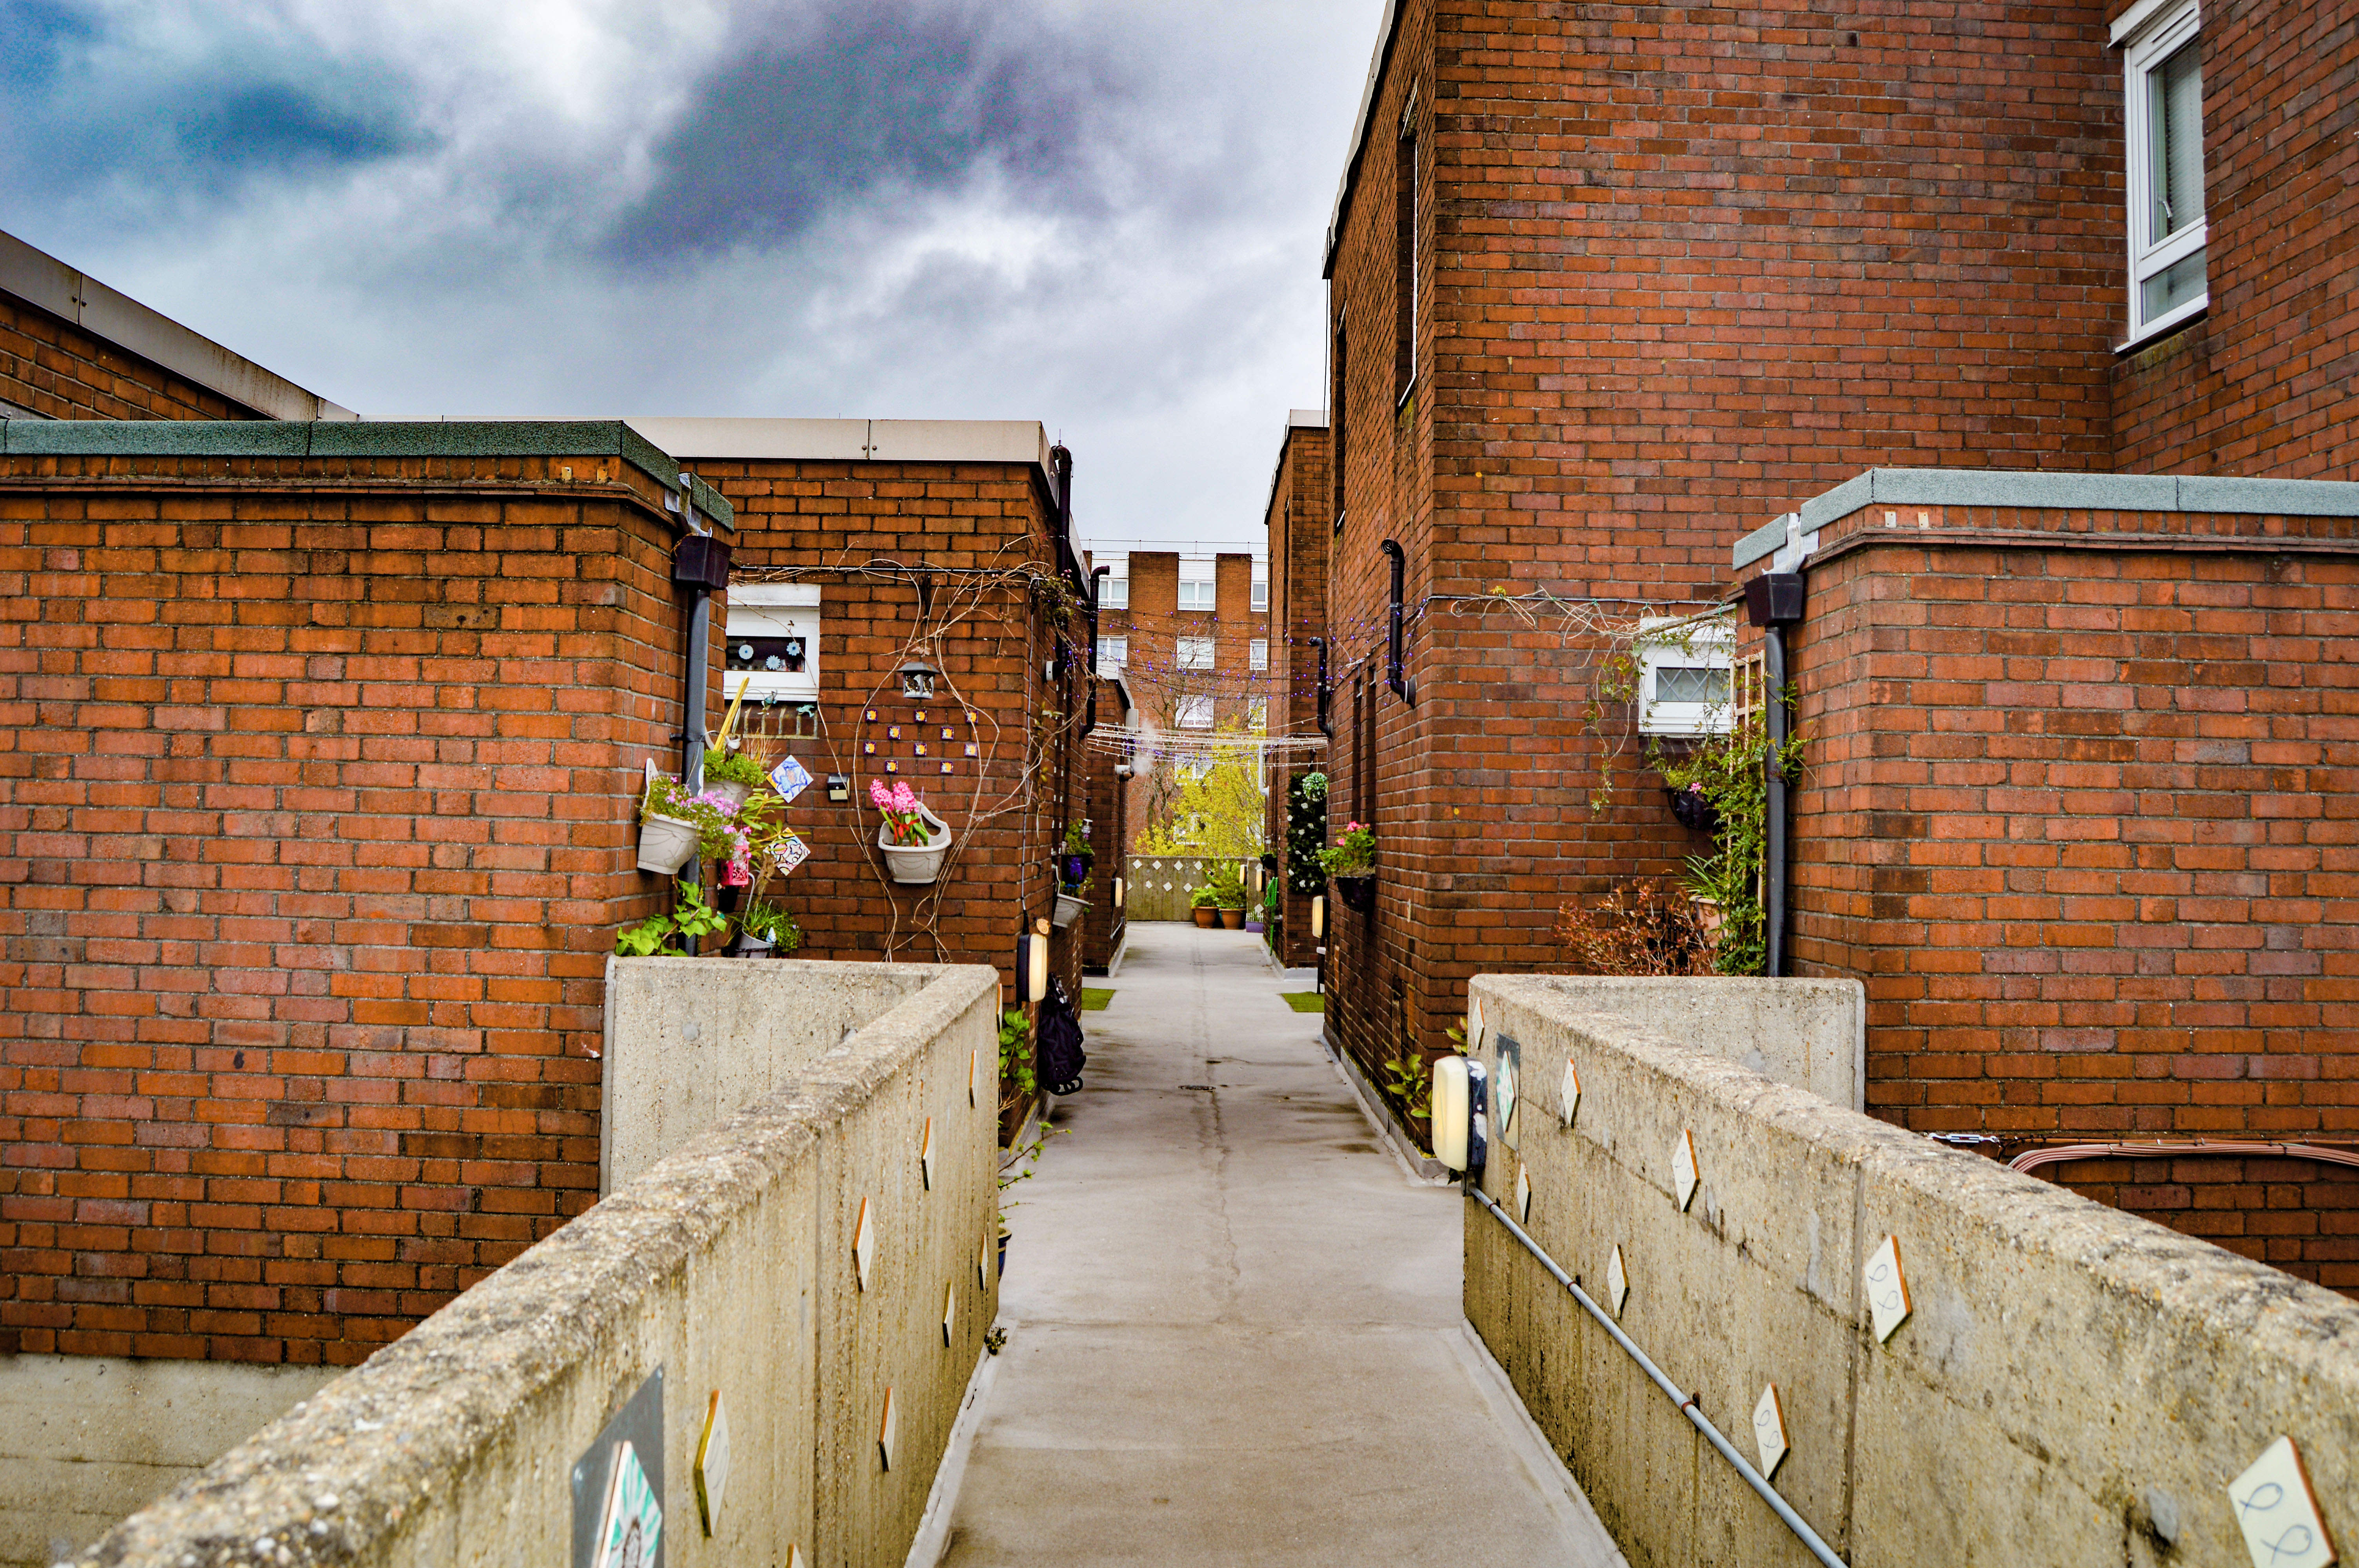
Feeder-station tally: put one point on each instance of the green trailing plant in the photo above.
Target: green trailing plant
(727, 765)
(1621, 676)
(1228, 889)
(769, 923)
(1018, 1069)
(1408, 1084)
(1203, 898)
(719, 827)
(692, 916)
(1075, 842)
(1731, 771)
(1353, 851)
(1306, 835)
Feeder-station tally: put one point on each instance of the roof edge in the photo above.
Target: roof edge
(1387, 34)
(48, 284)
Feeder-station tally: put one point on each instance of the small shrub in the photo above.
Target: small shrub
(1649, 928)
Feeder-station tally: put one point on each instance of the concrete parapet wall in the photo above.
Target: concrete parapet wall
(728, 1265)
(2075, 1385)
(1810, 1034)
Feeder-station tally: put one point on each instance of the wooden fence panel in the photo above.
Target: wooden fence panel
(1157, 886)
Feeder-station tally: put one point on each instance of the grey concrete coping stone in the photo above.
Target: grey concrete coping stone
(2059, 492)
(357, 438)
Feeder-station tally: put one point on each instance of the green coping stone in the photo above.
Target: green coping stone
(155, 438)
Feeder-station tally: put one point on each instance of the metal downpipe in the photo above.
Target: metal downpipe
(1773, 837)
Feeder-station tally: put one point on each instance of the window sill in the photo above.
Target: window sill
(2153, 335)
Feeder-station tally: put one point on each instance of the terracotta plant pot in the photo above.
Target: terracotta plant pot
(1232, 919)
(666, 843)
(1206, 915)
(916, 864)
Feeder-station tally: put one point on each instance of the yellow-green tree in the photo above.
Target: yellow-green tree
(1217, 814)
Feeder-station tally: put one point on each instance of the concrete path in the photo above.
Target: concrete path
(1233, 1323)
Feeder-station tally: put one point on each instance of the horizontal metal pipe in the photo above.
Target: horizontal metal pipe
(1753, 1478)
(2032, 1158)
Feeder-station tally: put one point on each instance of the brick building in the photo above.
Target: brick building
(1188, 633)
(320, 743)
(1298, 521)
(1609, 287)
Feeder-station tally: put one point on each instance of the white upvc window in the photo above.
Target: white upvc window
(1260, 594)
(1258, 655)
(1257, 713)
(1684, 678)
(1115, 592)
(1195, 652)
(1113, 653)
(1197, 592)
(2164, 116)
(1192, 713)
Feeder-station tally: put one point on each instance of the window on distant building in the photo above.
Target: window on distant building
(1260, 593)
(1193, 713)
(1195, 652)
(2165, 119)
(1197, 593)
(1257, 713)
(1113, 653)
(1258, 655)
(1115, 593)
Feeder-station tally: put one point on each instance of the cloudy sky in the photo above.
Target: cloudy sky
(1102, 215)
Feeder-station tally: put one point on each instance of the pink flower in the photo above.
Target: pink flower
(879, 795)
(904, 797)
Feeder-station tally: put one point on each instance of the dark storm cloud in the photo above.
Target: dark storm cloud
(825, 105)
(92, 105)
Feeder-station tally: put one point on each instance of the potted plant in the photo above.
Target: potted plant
(731, 773)
(1351, 861)
(692, 916)
(1075, 860)
(1204, 905)
(765, 928)
(676, 826)
(1694, 808)
(913, 839)
(1071, 902)
(1228, 892)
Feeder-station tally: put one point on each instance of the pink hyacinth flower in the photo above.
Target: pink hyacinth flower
(879, 795)
(904, 797)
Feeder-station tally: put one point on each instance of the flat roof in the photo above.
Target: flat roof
(40, 279)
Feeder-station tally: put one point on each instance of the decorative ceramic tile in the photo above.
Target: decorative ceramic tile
(922, 716)
(887, 1429)
(946, 767)
(983, 1258)
(864, 1244)
(926, 1154)
(892, 765)
(950, 734)
(1617, 1281)
(630, 1526)
(1770, 1431)
(1568, 1095)
(973, 749)
(1523, 1195)
(789, 851)
(892, 732)
(1887, 1289)
(868, 748)
(1683, 1167)
(974, 1066)
(1506, 1092)
(872, 715)
(2277, 1511)
(712, 1464)
(790, 778)
(920, 747)
(949, 1314)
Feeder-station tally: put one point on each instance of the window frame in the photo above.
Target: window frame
(2156, 40)
(1257, 714)
(1116, 592)
(1257, 601)
(1257, 653)
(1705, 647)
(1183, 709)
(1205, 588)
(1113, 655)
(1194, 654)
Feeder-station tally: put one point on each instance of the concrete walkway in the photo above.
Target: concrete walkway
(1233, 1323)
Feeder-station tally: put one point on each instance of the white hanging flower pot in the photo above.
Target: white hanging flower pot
(666, 843)
(734, 793)
(753, 947)
(1069, 909)
(917, 864)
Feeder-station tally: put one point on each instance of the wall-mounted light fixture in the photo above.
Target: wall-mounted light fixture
(1319, 916)
(1032, 964)
(1117, 892)
(918, 681)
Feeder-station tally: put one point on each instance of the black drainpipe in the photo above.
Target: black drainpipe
(1090, 719)
(1393, 676)
(1326, 723)
(1773, 602)
(699, 563)
(1061, 462)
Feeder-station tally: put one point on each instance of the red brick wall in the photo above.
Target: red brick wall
(317, 827)
(1299, 526)
(938, 562)
(2260, 386)
(59, 372)
(2083, 819)
(1682, 268)
(2298, 1215)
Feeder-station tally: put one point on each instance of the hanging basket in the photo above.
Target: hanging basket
(665, 844)
(1357, 890)
(915, 865)
(1069, 909)
(1694, 810)
(749, 946)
